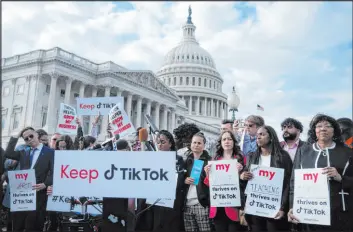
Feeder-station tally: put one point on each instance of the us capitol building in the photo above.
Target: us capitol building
(187, 88)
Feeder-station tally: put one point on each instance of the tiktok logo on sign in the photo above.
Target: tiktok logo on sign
(137, 174)
(145, 174)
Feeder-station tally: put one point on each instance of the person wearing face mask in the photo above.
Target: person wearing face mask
(325, 149)
(226, 219)
(41, 159)
(197, 199)
(170, 219)
(270, 154)
(291, 132)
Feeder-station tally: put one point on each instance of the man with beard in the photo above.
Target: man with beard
(346, 126)
(291, 132)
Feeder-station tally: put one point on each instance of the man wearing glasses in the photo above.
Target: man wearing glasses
(53, 139)
(248, 140)
(41, 159)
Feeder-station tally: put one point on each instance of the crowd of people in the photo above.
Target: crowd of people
(329, 146)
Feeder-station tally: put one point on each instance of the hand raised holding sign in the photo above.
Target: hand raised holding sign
(50, 190)
(189, 180)
(279, 215)
(246, 176)
(292, 218)
(96, 119)
(78, 122)
(207, 169)
(332, 172)
(39, 187)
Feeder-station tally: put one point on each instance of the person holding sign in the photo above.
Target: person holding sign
(325, 151)
(226, 218)
(169, 219)
(41, 159)
(197, 193)
(269, 154)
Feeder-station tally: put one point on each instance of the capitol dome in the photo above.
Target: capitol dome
(191, 71)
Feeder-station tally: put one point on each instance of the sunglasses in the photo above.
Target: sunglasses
(27, 138)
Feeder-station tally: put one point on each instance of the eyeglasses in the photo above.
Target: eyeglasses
(323, 126)
(27, 138)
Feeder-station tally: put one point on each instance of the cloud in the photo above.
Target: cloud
(293, 58)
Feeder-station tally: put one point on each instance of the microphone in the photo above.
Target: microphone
(153, 127)
(110, 141)
(143, 137)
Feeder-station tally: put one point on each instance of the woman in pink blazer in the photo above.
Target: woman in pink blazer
(226, 218)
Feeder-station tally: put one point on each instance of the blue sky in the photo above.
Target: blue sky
(293, 58)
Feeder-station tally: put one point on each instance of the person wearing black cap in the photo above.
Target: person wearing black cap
(115, 210)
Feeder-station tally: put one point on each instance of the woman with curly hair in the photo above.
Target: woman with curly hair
(226, 218)
(326, 150)
(183, 135)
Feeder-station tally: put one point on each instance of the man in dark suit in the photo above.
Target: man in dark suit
(41, 159)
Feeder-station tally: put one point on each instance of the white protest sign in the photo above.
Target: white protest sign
(66, 121)
(96, 105)
(23, 197)
(166, 202)
(311, 203)
(120, 122)
(264, 191)
(58, 203)
(224, 183)
(123, 174)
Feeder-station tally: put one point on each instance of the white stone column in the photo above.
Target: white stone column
(24, 109)
(51, 114)
(94, 94)
(128, 105)
(205, 107)
(165, 118)
(103, 132)
(10, 110)
(119, 92)
(138, 111)
(222, 110)
(216, 108)
(148, 110)
(190, 105)
(198, 106)
(82, 95)
(156, 114)
(212, 108)
(226, 110)
(173, 120)
(68, 91)
(32, 106)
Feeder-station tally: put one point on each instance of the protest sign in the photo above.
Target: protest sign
(120, 174)
(58, 203)
(264, 191)
(196, 171)
(120, 122)
(224, 183)
(23, 197)
(166, 202)
(96, 105)
(66, 121)
(63, 204)
(311, 203)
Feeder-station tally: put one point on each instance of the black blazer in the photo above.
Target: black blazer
(43, 167)
(286, 163)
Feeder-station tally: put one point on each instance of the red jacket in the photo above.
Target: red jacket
(231, 212)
